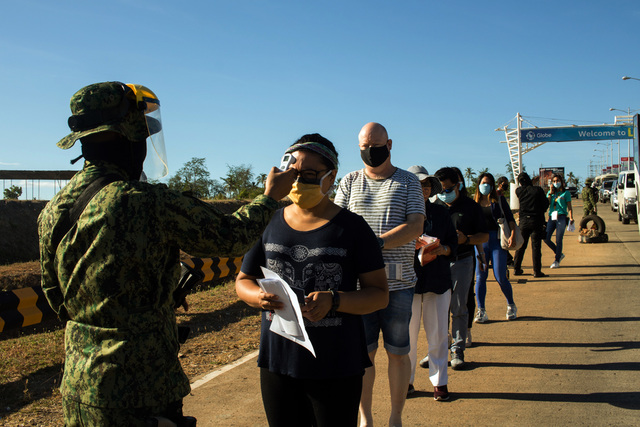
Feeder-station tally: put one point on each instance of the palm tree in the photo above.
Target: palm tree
(469, 174)
(571, 179)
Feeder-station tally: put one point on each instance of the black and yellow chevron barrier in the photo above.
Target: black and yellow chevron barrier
(214, 268)
(23, 307)
(28, 306)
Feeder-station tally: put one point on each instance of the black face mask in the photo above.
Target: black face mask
(375, 156)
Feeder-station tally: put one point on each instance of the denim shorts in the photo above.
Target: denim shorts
(393, 321)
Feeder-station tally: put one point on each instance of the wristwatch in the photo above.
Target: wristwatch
(381, 242)
(335, 300)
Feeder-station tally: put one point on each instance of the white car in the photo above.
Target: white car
(627, 197)
(614, 196)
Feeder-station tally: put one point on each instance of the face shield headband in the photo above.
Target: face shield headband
(318, 148)
(155, 164)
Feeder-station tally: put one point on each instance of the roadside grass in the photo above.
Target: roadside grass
(223, 329)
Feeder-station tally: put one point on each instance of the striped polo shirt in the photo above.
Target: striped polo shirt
(385, 204)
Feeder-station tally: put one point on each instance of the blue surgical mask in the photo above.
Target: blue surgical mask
(557, 184)
(448, 198)
(485, 189)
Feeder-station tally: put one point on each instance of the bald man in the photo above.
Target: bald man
(390, 200)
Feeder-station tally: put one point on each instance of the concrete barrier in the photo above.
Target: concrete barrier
(23, 307)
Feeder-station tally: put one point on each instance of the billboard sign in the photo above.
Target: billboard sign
(577, 133)
(547, 173)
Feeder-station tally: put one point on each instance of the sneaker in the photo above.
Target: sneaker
(457, 361)
(555, 264)
(468, 343)
(440, 393)
(512, 312)
(518, 272)
(540, 274)
(424, 363)
(481, 316)
(411, 390)
(561, 258)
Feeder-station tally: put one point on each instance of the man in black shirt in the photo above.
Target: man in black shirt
(470, 226)
(533, 205)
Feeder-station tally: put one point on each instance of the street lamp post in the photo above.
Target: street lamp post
(603, 165)
(629, 78)
(609, 148)
(628, 117)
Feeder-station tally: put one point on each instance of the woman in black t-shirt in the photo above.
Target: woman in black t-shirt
(322, 252)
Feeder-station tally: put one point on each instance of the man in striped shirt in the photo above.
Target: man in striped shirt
(390, 200)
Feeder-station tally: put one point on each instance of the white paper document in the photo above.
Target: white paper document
(288, 321)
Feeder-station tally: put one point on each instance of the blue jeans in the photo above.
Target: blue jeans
(559, 226)
(393, 321)
(461, 275)
(498, 256)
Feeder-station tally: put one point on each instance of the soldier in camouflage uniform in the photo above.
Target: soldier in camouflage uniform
(112, 275)
(589, 198)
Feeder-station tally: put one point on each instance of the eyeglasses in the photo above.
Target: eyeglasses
(310, 176)
(448, 190)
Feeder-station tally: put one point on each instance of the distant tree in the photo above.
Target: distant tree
(510, 171)
(336, 184)
(194, 178)
(572, 180)
(13, 193)
(469, 174)
(239, 183)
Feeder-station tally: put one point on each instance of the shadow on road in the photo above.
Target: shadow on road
(604, 346)
(569, 319)
(626, 400)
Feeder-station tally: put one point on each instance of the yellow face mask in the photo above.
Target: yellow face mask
(307, 196)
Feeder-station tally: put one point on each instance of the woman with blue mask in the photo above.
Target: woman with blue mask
(494, 208)
(559, 211)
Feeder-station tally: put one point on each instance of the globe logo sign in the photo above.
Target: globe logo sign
(530, 135)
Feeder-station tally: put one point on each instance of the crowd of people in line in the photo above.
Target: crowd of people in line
(435, 242)
(395, 248)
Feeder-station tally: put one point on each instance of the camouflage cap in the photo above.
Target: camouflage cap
(101, 107)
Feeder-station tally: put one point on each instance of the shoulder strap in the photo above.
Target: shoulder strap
(501, 209)
(79, 205)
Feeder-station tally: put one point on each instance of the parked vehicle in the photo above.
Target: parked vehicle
(627, 196)
(573, 191)
(605, 190)
(601, 178)
(614, 196)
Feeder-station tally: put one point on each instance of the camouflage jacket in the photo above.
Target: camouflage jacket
(112, 278)
(589, 199)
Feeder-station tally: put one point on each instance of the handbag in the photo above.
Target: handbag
(505, 233)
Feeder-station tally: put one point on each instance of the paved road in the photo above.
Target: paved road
(571, 358)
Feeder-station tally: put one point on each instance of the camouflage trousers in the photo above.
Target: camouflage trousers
(78, 414)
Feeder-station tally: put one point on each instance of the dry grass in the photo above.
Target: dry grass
(223, 329)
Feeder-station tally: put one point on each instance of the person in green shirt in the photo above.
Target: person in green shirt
(111, 273)
(560, 215)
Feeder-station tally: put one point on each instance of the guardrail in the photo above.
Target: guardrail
(28, 306)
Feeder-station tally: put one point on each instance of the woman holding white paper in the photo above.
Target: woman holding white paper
(560, 216)
(321, 251)
(433, 289)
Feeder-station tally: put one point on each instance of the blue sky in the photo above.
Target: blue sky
(239, 81)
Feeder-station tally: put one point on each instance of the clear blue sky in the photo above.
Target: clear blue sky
(239, 81)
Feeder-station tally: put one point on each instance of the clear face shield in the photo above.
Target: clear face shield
(155, 164)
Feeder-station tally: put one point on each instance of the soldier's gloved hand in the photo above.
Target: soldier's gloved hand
(279, 183)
